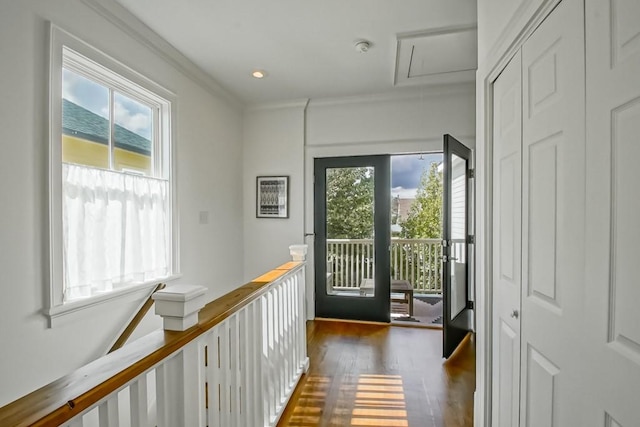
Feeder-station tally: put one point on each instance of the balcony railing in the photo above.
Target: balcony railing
(350, 261)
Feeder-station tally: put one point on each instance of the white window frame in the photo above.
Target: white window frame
(70, 52)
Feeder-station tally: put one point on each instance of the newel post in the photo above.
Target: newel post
(298, 252)
(179, 380)
(179, 306)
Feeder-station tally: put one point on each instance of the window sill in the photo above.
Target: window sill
(56, 313)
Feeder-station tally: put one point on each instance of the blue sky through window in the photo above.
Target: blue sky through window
(132, 115)
(85, 93)
(129, 114)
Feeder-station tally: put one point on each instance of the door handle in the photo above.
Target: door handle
(515, 314)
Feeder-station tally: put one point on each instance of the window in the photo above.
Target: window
(110, 172)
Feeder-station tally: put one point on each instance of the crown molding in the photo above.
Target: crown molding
(119, 16)
(403, 93)
(294, 103)
(387, 142)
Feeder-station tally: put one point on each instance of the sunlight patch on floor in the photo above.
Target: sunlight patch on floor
(380, 402)
(369, 400)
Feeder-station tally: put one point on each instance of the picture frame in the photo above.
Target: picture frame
(272, 196)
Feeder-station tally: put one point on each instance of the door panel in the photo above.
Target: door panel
(553, 199)
(507, 223)
(508, 376)
(352, 238)
(457, 318)
(612, 328)
(542, 395)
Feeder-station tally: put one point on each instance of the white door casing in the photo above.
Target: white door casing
(553, 211)
(612, 323)
(507, 157)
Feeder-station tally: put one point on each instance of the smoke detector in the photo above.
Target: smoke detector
(363, 46)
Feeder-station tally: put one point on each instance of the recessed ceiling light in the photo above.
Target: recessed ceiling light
(258, 74)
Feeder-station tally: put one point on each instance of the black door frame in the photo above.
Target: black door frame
(375, 308)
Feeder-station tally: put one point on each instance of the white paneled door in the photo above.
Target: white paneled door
(539, 226)
(507, 157)
(612, 324)
(566, 203)
(553, 212)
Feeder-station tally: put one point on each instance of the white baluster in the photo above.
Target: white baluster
(179, 388)
(192, 384)
(163, 393)
(281, 346)
(301, 320)
(352, 280)
(276, 357)
(273, 358)
(76, 422)
(224, 374)
(302, 331)
(289, 333)
(357, 263)
(138, 399)
(234, 367)
(108, 415)
(213, 377)
(342, 264)
(255, 344)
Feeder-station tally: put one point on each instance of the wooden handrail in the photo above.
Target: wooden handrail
(124, 336)
(68, 396)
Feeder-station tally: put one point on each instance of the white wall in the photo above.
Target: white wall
(209, 180)
(409, 119)
(273, 143)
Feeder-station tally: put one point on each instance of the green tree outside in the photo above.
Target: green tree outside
(424, 221)
(350, 203)
(350, 198)
(425, 215)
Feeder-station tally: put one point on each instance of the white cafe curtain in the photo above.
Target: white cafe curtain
(116, 230)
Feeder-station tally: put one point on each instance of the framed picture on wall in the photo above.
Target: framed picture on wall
(272, 197)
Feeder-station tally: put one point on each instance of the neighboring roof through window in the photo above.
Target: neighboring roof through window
(80, 122)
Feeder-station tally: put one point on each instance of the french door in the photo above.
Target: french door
(352, 238)
(457, 314)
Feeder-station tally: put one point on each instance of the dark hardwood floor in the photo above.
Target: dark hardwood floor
(378, 375)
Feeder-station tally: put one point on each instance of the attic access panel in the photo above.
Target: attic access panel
(437, 57)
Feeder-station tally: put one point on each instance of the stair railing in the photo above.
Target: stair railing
(237, 367)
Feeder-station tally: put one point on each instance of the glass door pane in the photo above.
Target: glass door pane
(416, 236)
(350, 213)
(457, 219)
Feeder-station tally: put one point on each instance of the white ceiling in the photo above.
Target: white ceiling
(307, 47)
